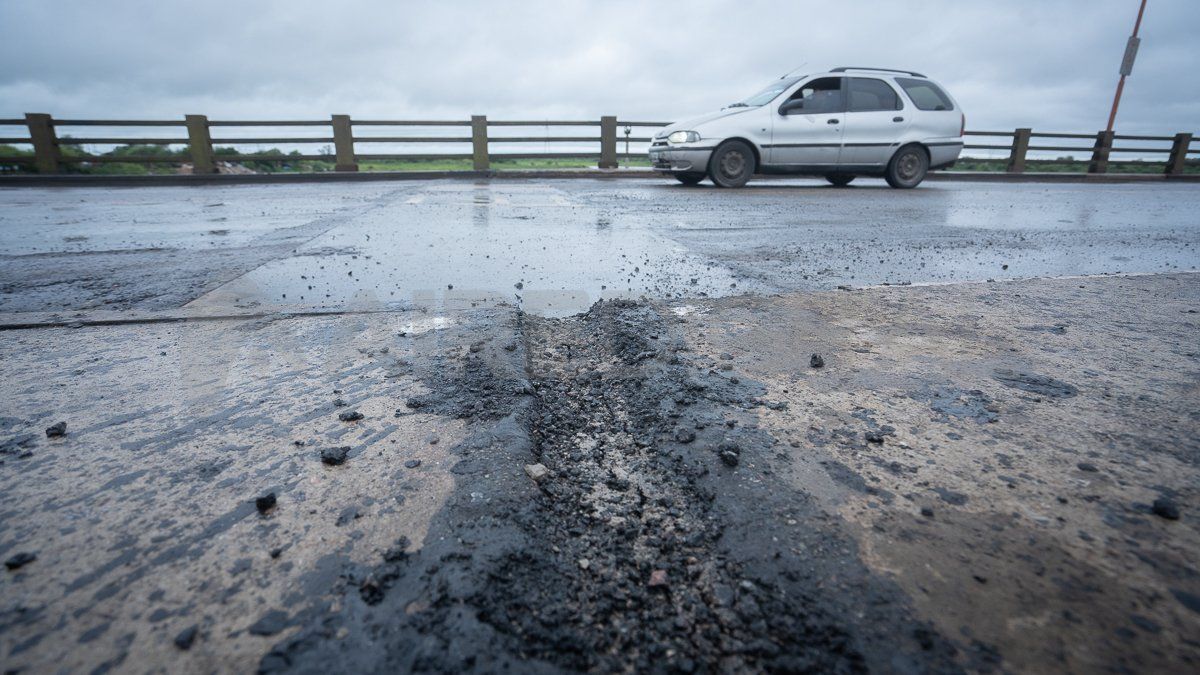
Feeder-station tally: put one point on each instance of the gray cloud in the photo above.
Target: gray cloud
(1049, 65)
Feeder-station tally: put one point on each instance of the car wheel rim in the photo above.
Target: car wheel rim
(733, 163)
(909, 166)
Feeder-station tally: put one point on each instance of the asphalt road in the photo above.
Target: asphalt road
(308, 428)
(554, 247)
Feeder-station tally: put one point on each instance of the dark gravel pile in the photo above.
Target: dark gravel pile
(628, 571)
(615, 509)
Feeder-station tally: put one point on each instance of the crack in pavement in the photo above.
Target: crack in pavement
(616, 509)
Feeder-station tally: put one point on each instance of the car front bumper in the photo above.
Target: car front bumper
(679, 159)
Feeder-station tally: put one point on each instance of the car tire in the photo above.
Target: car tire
(908, 167)
(732, 164)
(690, 177)
(839, 179)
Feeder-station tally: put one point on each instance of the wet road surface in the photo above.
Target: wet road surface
(555, 247)
(383, 473)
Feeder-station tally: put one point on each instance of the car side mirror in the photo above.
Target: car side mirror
(789, 107)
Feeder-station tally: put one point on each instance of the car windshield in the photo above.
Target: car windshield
(768, 94)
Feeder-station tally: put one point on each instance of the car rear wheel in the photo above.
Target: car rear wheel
(908, 167)
(839, 179)
(690, 177)
(731, 165)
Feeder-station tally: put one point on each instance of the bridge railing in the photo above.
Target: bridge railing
(1103, 145)
(477, 140)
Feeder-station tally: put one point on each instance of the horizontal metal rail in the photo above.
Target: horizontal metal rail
(466, 155)
(544, 123)
(271, 140)
(410, 123)
(119, 123)
(545, 155)
(1141, 150)
(1041, 134)
(265, 123)
(413, 139)
(547, 139)
(1070, 148)
(121, 159)
(1128, 137)
(70, 140)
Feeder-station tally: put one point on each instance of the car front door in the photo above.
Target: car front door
(807, 127)
(875, 122)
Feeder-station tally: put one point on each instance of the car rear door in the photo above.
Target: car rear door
(810, 132)
(875, 122)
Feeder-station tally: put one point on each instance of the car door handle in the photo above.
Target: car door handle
(897, 119)
(833, 122)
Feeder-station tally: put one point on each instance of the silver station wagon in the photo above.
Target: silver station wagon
(840, 124)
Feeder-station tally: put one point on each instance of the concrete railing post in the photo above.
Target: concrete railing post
(47, 157)
(1100, 152)
(479, 142)
(200, 144)
(1020, 147)
(608, 142)
(1179, 150)
(343, 144)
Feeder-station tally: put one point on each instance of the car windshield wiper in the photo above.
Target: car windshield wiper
(738, 105)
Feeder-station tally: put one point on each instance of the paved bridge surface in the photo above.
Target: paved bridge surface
(802, 431)
(567, 243)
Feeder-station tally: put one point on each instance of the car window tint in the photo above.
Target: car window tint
(868, 94)
(925, 94)
(818, 97)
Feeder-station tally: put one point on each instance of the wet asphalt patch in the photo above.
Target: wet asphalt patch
(638, 546)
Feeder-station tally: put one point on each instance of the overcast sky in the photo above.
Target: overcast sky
(1048, 64)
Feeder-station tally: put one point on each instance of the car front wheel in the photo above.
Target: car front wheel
(908, 167)
(731, 165)
(690, 177)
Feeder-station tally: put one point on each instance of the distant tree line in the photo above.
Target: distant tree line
(179, 157)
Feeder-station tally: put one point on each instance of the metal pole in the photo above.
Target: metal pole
(628, 131)
(1131, 48)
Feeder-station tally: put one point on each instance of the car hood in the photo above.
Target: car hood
(691, 124)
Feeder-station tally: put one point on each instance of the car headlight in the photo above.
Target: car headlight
(683, 137)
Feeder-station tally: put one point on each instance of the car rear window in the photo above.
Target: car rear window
(925, 94)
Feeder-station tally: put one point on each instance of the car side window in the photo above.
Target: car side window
(868, 94)
(817, 97)
(925, 94)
